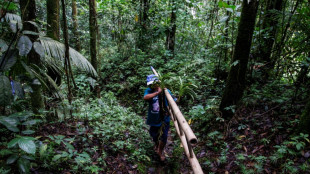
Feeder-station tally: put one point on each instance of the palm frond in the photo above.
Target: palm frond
(56, 50)
(13, 17)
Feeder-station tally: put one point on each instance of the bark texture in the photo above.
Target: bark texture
(93, 33)
(75, 26)
(170, 42)
(28, 13)
(270, 25)
(236, 79)
(53, 31)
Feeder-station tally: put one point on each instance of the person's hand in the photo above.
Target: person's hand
(159, 90)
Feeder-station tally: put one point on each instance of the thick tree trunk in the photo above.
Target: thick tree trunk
(170, 41)
(236, 80)
(28, 13)
(75, 27)
(53, 31)
(93, 33)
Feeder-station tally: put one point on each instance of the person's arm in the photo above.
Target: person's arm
(150, 96)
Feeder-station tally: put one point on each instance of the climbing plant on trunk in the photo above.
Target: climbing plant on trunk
(28, 13)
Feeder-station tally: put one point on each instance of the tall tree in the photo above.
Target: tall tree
(93, 33)
(143, 21)
(53, 31)
(236, 79)
(170, 41)
(28, 13)
(75, 26)
(270, 26)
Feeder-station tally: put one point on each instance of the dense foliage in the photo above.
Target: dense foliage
(194, 45)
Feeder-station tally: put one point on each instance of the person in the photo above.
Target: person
(158, 118)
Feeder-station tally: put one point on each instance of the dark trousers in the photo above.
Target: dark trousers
(156, 131)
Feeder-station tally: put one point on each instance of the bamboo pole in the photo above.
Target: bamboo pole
(179, 116)
(192, 160)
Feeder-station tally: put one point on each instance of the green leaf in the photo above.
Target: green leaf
(27, 145)
(28, 132)
(3, 46)
(24, 45)
(23, 165)
(10, 123)
(42, 149)
(39, 48)
(6, 95)
(5, 152)
(223, 4)
(234, 63)
(13, 142)
(224, 19)
(31, 122)
(28, 157)
(56, 157)
(12, 159)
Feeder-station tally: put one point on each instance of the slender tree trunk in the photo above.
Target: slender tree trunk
(236, 79)
(67, 59)
(53, 31)
(143, 38)
(28, 13)
(93, 40)
(75, 26)
(93, 33)
(170, 41)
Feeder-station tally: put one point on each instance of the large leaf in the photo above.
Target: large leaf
(19, 92)
(24, 45)
(3, 45)
(13, 142)
(39, 48)
(12, 159)
(10, 123)
(6, 95)
(56, 50)
(8, 61)
(13, 18)
(27, 145)
(23, 165)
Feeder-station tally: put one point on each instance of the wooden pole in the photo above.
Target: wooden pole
(179, 116)
(192, 160)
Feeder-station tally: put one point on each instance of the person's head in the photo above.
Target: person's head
(152, 81)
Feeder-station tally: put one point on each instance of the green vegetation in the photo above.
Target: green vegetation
(241, 79)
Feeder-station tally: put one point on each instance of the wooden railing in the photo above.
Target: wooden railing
(184, 131)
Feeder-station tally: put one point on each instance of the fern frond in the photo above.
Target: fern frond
(56, 50)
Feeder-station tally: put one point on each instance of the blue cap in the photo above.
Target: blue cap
(150, 79)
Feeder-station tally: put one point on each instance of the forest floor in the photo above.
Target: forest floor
(256, 140)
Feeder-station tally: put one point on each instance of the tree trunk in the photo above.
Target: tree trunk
(28, 13)
(143, 38)
(270, 24)
(93, 33)
(53, 31)
(170, 41)
(68, 69)
(304, 124)
(236, 79)
(75, 26)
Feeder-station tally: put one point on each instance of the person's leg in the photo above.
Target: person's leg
(163, 141)
(154, 132)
